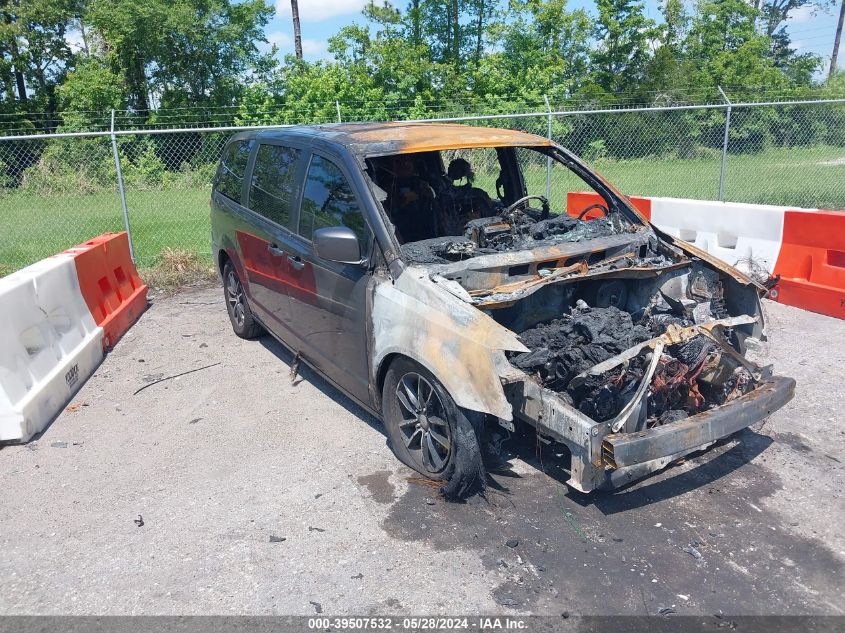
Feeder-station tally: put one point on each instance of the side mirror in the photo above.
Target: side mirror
(337, 244)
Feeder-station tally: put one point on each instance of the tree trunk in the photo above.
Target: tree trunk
(447, 49)
(19, 78)
(416, 21)
(837, 39)
(456, 28)
(21, 84)
(297, 32)
(138, 83)
(480, 32)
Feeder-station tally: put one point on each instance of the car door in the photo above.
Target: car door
(328, 299)
(265, 245)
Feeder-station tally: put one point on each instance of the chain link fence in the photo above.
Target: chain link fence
(57, 190)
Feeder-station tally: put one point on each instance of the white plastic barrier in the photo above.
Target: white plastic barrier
(732, 231)
(49, 345)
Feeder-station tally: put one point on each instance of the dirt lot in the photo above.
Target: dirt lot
(260, 496)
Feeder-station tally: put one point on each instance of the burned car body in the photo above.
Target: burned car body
(471, 309)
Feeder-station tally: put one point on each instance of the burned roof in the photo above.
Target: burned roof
(382, 139)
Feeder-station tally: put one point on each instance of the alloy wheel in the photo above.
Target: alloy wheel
(235, 297)
(424, 427)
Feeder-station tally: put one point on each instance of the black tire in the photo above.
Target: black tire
(428, 432)
(243, 323)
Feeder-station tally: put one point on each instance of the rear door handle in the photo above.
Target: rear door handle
(296, 262)
(275, 250)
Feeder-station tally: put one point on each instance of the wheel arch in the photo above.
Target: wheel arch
(222, 258)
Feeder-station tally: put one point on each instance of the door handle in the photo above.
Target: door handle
(275, 250)
(296, 262)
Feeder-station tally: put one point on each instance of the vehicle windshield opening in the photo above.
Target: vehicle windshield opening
(455, 204)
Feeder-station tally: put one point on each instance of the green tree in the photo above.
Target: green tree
(92, 87)
(724, 48)
(623, 33)
(33, 52)
(191, 52)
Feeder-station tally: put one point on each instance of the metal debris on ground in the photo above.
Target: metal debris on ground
(277, 539)
(139, 521)
(317, 606)
(294, 366)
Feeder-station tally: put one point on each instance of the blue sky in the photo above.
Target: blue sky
(811, 31)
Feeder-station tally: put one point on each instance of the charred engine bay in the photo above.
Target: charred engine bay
(522, 231)
(598, 320)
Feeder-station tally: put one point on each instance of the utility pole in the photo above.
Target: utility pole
(297, 32)
(837, 39)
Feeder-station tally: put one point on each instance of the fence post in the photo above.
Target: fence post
(723, 170)
(548, 158)
(120, 188)
(337, 104)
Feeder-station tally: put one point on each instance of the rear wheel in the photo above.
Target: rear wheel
(243, 323)
(428, 431)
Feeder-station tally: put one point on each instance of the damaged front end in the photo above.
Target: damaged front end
(629, 348)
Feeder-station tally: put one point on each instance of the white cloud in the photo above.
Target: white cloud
(282, 40)
(797, 16)
(314, 48)
(318, 10)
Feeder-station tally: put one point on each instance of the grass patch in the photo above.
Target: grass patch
(34, 227)
(176, 268)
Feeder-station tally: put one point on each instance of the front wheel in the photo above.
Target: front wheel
(428, 432)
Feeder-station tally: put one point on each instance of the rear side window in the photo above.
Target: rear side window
(328, 201)
(232, 169)
(273, 182)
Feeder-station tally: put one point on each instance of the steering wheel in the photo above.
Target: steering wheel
(521, 203)
(591, 207)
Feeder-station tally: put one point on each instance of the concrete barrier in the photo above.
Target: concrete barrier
(49, 345)
(577, 201)
(738, 234)
(811, 262)
(110, 284)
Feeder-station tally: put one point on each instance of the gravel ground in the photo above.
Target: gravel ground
(259, 496)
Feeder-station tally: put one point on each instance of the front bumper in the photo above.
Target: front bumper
(601, 459)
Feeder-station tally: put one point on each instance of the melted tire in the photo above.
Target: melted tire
(464, 472)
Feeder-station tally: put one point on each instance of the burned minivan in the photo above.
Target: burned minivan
(451, 280)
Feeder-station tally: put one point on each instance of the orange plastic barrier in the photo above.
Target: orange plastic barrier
(110, 284)
(811, 262)
(577, 201)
